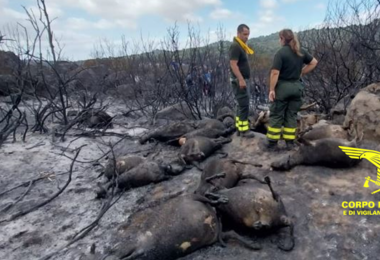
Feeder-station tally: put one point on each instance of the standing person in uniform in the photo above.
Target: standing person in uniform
(240, 74)
(286, 89)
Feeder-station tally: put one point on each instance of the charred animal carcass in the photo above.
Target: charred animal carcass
(134, 171)
(322, 152)
(171, 230)
(92, 118)
(224, 173)
(199, 148)
(170, 132)
(255, 208)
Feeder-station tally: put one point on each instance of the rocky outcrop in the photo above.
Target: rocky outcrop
(363, 115)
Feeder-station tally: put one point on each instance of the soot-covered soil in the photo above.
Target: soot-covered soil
(313, 196)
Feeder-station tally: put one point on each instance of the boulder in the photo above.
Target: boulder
(338, 112)
(363, 115)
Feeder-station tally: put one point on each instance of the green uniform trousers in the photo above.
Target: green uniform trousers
(283, 111)
(242, 107)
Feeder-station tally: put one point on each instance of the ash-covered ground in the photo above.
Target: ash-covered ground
(312, 195)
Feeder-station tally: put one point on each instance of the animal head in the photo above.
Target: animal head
(166, 167)
(305, 121)
(263, 118)
(228, 122)
(195, 156)
(310, 119)
(224, 111)
(120, 166)
(182, 141)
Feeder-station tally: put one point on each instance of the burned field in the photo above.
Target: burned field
(73, 220)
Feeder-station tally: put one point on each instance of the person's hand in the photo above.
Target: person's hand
(242, 84)
(272, 96)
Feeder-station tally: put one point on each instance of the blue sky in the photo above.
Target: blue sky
(81, 24)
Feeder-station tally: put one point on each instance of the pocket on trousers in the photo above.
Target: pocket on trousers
(272, 108)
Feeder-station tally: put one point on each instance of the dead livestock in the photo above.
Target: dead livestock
(227, 116)
(170, 132)
(261, 123)
(306, 121)
(255, 208)
(94, 118)
(225, 112)
(209, 132)
(123, 164)
(171, 230)
(224, 173)
(326, 131)
(210, 124)
(199, 148)
(143, 174)
(210, 128)
(229, 122)
(322, 152)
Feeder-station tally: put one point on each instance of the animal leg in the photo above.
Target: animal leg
(213, 202)
(258, 225)
(274, 194)
(145, 138)
(182, 159)
(123, 181)
(263, 222)
(213, 195)
(133, 256)
(122, 251)
(229, 131)
(222, 140)
(101, 192)
(222, 154)
(246, 163)
(215, 176)
(285, 238)
(251, 176)
(220, 230)
(165, 177)
(197, 165)
(233, 235)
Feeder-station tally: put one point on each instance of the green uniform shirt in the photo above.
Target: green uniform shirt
(238, 53)
(289, 63)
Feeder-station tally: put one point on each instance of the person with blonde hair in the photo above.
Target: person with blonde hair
(286, 88)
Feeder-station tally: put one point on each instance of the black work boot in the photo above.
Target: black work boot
(247, 134)
(272, 146)
(290, 145)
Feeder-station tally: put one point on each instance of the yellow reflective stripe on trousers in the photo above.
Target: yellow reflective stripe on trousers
(244, 123)
(273, 137)
(237, 121)
(243, 128)
(274, 130)
(289, 137)
(290, 130)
